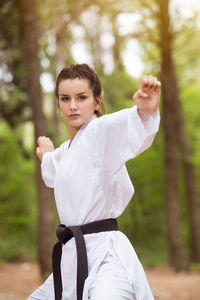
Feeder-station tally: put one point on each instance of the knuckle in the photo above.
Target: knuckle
(144, 78)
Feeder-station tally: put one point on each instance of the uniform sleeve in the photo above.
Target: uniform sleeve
(49, 164)
(122, 135)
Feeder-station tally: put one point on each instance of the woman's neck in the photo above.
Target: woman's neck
(72, 133)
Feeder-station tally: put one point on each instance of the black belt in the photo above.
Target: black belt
(64, 234)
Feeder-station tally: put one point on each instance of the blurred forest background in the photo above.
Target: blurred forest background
(122, 40)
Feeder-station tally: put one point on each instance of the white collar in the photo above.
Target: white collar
(93, 117)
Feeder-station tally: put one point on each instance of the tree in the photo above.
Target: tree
(178, 257)
(29, 36)
(175, 136)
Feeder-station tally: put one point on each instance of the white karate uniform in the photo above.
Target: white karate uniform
(91, 183)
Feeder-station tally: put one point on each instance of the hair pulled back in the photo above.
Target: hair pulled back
(81, 71)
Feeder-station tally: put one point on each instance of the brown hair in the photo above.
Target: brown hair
(81, 71)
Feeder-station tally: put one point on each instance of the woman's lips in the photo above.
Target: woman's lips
(74, 115)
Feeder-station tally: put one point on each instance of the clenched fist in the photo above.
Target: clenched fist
(44, 145)
(147, 97)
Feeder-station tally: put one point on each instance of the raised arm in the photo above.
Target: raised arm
(122, 135)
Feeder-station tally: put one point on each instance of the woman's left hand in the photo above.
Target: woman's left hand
(147, 97)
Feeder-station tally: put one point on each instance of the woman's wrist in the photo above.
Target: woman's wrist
(145, 115)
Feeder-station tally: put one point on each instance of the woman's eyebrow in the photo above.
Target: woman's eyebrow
(76, 94)
(82, 93)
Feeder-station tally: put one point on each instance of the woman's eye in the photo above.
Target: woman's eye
(82, 97)
(65, 99)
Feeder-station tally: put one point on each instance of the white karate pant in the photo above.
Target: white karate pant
(110, 283)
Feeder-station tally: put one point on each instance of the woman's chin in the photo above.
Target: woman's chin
(75, 123)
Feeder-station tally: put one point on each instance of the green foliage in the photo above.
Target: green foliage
(118, 90)
(195, 267)
(190, 97)
(17, 197)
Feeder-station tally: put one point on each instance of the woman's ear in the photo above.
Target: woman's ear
(98, 103)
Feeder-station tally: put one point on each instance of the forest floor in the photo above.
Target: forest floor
(17, 281)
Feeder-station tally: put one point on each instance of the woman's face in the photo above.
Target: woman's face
(76, 101)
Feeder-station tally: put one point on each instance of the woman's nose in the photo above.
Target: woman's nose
(73, 104)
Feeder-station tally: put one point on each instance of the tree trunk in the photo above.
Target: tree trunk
(61, 52)
(190, 183)
(29, 35)
(178, 257)
(194, 217)
(118, 64)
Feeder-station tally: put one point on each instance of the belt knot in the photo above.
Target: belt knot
(63, 233)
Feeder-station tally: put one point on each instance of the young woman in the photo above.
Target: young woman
(92, 188)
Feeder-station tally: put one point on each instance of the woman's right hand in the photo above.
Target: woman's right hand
(44, 145)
